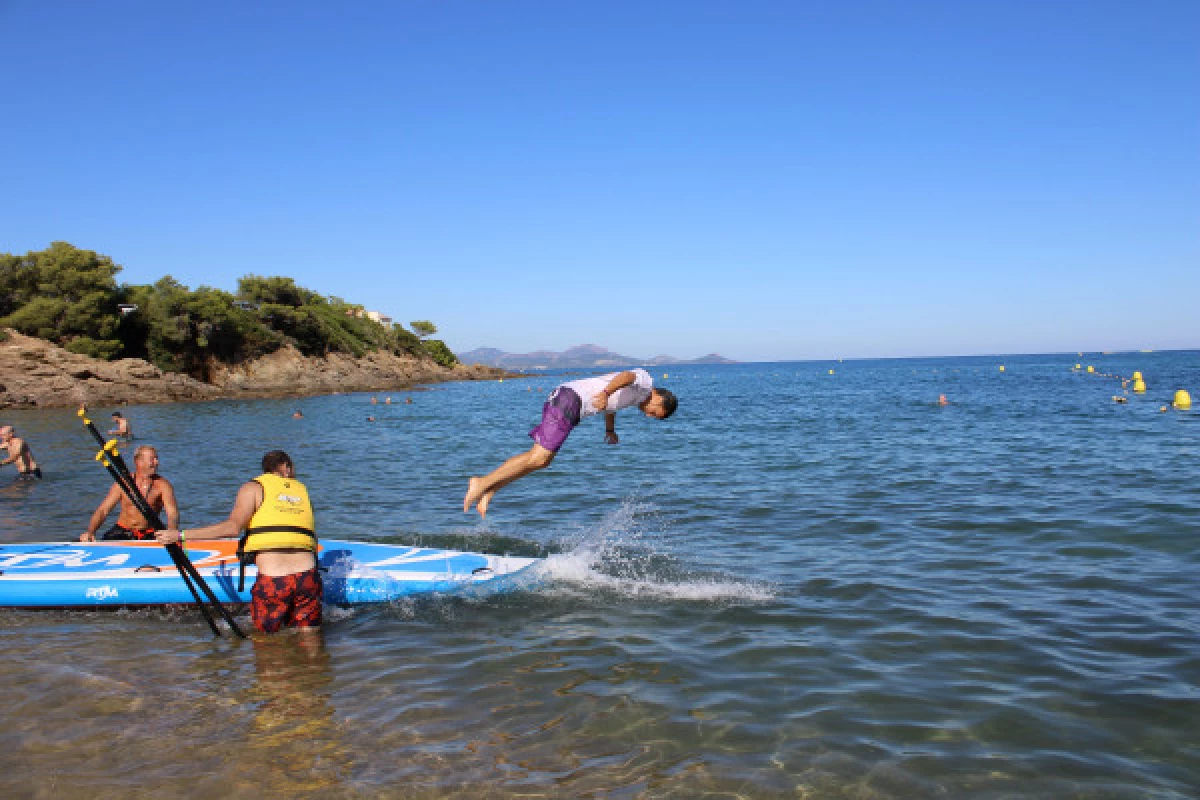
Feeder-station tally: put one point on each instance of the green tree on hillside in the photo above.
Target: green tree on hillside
(439, 352)
(423, 328)
(318, 326)
(276, 290)
(64, 295)
(71, 297)
(187, 331)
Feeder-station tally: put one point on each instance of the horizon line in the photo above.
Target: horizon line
(1078, 354)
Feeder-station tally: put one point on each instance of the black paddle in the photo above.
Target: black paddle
(112, 461)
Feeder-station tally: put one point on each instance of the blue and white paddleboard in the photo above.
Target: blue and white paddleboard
(115, 574)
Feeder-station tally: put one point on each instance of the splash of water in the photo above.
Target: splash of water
(626, 554)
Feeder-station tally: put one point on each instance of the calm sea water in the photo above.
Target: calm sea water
(803, 585)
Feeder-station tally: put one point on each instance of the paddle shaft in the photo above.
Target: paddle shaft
(191, 578)
(183, 571)
(187, 570)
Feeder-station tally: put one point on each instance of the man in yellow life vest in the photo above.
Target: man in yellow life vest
(275, 513)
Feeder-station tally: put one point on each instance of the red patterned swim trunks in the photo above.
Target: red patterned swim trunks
(120, 531)
(291, 600)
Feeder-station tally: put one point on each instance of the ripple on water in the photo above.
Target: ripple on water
(884, 599)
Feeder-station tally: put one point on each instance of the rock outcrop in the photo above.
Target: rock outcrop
(37, 374)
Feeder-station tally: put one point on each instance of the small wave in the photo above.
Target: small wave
(580, 571)
(622, 555)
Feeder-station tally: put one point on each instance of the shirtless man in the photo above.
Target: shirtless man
(280, 537)
(121, 427)
(130, 523)
(567, 405)
(19, 454)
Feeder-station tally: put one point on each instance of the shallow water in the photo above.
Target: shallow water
(803, 585)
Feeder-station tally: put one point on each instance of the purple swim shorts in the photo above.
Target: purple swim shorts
(560, 415)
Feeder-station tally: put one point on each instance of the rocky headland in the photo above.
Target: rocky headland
(37, 374)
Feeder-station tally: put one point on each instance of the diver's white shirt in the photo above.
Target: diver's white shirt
(634, 394)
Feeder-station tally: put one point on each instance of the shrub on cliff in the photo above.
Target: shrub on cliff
(318, 325)
(275, 290)
(312, 329)
(71, 297)
(440, 353)
(180, 330)
(64, 295)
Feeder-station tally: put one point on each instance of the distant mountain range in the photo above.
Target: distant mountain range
(584, 355)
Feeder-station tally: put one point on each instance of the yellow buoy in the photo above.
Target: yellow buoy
(1183, 400)
(1002, 368)
(1078, 367)
(830, 372)
(1091, 368)
(664, 376)
(1139, 385)
(1137, 376)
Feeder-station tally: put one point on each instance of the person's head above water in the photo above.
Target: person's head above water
(6, 432)
(660, 404)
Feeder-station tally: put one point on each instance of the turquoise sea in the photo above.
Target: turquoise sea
(804, 585)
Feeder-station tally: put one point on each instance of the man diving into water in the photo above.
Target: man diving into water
(567, 405)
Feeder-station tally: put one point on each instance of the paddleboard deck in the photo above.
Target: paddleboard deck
(131, 573)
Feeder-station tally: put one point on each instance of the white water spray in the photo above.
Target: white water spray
(622, 555)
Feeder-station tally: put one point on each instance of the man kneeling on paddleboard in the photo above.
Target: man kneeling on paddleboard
(157, 490)
(280, 537)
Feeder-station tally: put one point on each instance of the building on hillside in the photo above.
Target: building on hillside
(374, 316)
(382, 319)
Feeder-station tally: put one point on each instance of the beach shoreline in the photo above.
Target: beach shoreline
(35, 373)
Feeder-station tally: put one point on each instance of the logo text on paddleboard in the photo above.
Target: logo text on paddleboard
(70, 559)
(100, 593)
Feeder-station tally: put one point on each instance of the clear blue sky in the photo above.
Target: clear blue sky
(767, 180)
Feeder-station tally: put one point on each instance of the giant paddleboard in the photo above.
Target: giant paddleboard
(119, 574)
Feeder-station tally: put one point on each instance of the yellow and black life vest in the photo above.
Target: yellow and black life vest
(284, 521)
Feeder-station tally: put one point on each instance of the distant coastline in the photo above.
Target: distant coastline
(579, 357)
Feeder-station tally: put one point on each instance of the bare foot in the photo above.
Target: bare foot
(483, 503)
(474, 492)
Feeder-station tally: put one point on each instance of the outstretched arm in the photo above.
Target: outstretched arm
(248, 499)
